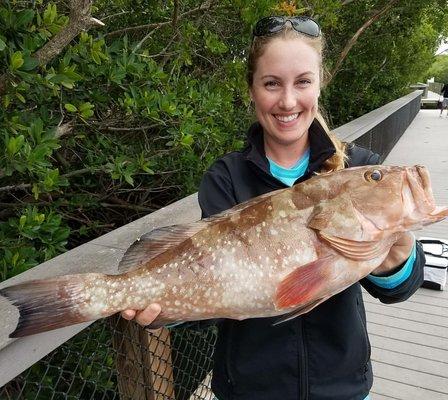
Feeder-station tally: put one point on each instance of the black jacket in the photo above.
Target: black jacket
(322, 355)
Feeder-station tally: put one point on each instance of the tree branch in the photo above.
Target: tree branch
(23, 186)
(203, 7)
(356, 36)
(80, 20)
(175, 13)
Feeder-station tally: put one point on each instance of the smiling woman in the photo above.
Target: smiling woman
(285, 90)
(324, 354)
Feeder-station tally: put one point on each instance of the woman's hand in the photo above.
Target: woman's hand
(398, 254)
(143, 317)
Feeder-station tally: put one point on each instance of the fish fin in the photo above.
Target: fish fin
(299, 311)
(162, 321)
(302, 285)
(357, 250)
(256, 201)
(156, 242)
(47, 304)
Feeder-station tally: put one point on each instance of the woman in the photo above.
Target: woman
(324, 354)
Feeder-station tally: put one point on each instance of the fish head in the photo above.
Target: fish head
(372, 202)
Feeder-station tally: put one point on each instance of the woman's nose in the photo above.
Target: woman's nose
(288, 99)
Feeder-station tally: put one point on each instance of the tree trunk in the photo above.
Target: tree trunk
(80, 20)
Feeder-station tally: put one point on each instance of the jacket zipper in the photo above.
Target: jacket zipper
(303, 365)
(366, 336)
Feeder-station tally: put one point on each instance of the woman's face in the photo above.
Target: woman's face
(285, 90)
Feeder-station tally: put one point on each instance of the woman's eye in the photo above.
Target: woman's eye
(271, 84)
(304, 82)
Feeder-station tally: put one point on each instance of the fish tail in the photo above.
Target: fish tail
(52, 303)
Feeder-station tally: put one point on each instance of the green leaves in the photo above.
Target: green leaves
(16, 61)
(29, 238)
(14, 144)
(24, 17)
(214, 44)
(70, 107)
(86, 110)
(125, 169)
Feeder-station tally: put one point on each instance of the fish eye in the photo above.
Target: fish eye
(374, 175)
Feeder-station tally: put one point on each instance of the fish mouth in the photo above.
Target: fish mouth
(418, 197)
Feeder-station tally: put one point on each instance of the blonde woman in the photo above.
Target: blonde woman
(325, 354)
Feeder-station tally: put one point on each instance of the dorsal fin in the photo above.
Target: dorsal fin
(243, 206)
(156, 242)
(160, 240)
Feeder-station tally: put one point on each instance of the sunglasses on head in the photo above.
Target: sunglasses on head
(271, 25)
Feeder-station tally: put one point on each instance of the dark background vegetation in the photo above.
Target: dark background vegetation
(100, 125)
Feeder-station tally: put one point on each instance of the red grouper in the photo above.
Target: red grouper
(279, 254)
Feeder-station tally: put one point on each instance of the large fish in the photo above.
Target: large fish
(282, 253)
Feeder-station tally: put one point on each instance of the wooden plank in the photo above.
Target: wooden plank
(410, 361)
(158, 361)
(406, 314)
(411, 377)
(438, 294)
(436, 311)
(417, 350)
(434, 342)
(396, 322)
(401, 391)
(429, 300)
(144, 366)
(376, 396)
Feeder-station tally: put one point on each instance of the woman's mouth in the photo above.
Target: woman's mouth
(286, 118)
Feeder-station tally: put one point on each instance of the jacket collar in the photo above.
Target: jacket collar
(321, 147)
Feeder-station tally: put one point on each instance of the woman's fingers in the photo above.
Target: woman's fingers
(149, 314)
(143, 317)
(128, 314)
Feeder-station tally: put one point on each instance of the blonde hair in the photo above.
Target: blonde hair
(256, 50)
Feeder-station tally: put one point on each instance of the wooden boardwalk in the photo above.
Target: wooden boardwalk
(410, 339)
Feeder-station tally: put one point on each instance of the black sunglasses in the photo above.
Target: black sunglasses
(271, 25)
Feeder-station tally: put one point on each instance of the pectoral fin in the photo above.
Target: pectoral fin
(299, 311)
(358, 250)
(306, 284)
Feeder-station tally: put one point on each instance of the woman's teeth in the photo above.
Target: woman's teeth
(287, 118)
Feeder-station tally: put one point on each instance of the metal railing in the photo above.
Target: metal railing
(117, 359)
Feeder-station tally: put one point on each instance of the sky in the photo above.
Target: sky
(443, 47)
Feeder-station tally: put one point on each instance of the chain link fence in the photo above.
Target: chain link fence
(117, 359)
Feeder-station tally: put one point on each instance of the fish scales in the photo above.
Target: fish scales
(282, 253)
